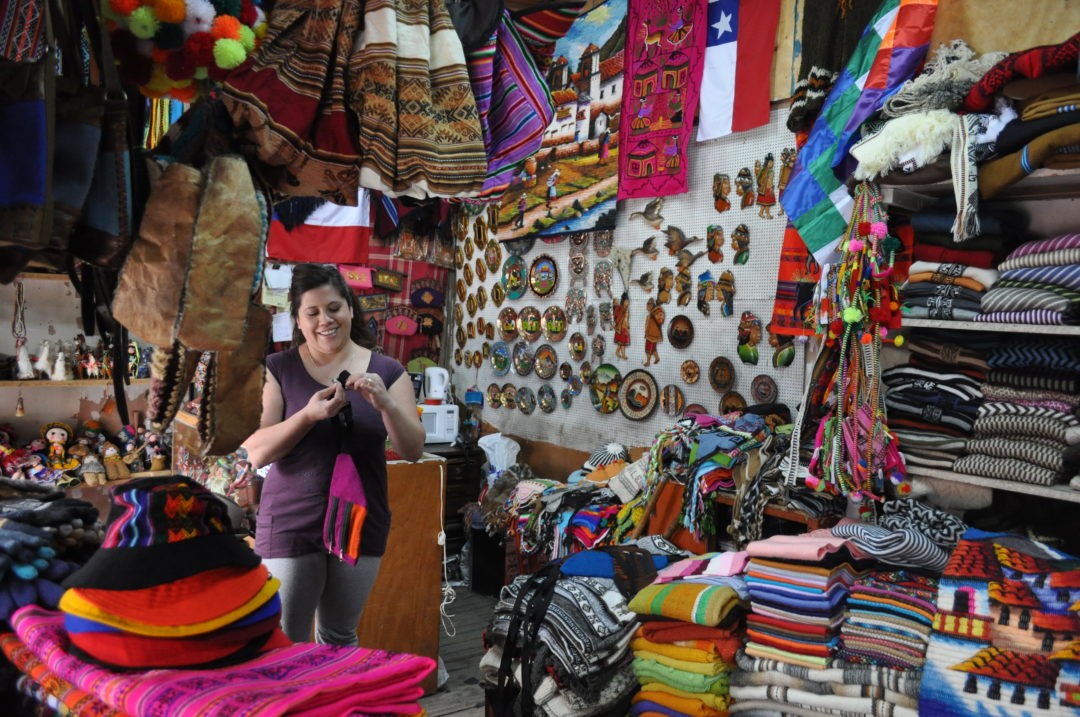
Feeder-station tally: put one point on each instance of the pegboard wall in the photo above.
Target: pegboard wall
(581, 426)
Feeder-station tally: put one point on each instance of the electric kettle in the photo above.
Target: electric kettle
(436, 382)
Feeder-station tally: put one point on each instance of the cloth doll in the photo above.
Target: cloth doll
(115, 468)
(92, 471)
(58, 434)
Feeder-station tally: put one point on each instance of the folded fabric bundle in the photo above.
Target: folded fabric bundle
(650, 671)
(947, 271)
(1042, 380)
(910, 440)
(1050, 244)
(671, 706)
(997, 174)
(654, 690)
(903, 143)
(933, 407)
(956, 384)
(934, 222)
(942, 527)
(1036, 317)
(725, 641)
(1010, 469)
(708, 668)
(1052, 101)
(77, 701)
(1030, 450)
(932, 294)
(556, 700)
(918, 459)
(808, 648)
(705, 652)
(1065, 275)
(922, 251)
(1015, 296)
(903, 546)
(939, 309)
(773, 699)
(1031, 352)
(1019, 131)
(946, 352)
(1064, 401)
(691, 602)
(1054, 257)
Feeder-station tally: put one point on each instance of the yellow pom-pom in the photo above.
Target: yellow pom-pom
(159, 80)
(247, 38)
(170, 10)
(225, 27)
(898, 341)
(123, 7)
(143, 23)
(260, 29)
(852, 315)
(228, 54)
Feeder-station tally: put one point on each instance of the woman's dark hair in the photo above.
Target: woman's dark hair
(306, 277)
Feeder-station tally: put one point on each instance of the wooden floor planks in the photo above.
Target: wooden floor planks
(462, 695)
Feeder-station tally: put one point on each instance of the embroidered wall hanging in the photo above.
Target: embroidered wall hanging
(661, 97)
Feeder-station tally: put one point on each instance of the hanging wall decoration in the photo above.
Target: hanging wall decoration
(706, 290)
(721, 188)
(621, 316)
(740, 244)
(654, 330)
(666, 52)
(744, 187)
(714, 242)
(749, 337)
(569, 186)
(765, 174)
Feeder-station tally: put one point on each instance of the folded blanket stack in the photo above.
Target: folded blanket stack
(692, 626)
(1004, 639)
(1040, 284)
(945, 290)
(1027, 430)
(798, 586)
(888, 619)
(763, 686)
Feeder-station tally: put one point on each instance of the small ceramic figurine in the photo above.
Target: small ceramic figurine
(133, 358)
(43, 364)
(58, 434)
(24, 369)
(61, 370)
(654, 330)
(155, 453)
(115, 468)
(621, 313)
(92, 471)
(133, 456)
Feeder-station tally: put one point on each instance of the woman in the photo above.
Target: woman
(297, 435)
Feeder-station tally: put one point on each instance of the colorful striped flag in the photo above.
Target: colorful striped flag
(332, 234)
(738, 66)
(889, 52)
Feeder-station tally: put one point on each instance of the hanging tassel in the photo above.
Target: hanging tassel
(20, 409)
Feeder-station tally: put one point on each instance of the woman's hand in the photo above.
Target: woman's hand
(371, 387)
(326, 403)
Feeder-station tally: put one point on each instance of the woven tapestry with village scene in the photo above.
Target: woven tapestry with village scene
(570, 184)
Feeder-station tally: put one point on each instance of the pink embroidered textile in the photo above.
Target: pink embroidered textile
(308, 679)
(665, 51)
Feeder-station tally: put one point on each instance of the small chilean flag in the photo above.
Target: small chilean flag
(738, 66)
(332, 234)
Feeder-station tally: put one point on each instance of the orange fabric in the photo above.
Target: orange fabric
(685, 705)
(664, 516)
(199, 598)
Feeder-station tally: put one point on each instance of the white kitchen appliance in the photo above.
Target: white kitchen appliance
(436, 384)
(440, 421)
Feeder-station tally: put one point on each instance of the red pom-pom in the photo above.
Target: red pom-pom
(864, 228)
(186, 93)
(178, 68)
(123, 7)
(866, 338)
(836, 328)
(880, 314)
(248, 16)
(199, 49)
(160, 56)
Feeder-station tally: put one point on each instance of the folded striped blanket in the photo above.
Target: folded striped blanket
(1054, 257)
(1031, 450)
(1064, 241)
(689, 602)
(836, 672)
(649, 671)
(786, 700)
(1067, 275)
(1010, 469)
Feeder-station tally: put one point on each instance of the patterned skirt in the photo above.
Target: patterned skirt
(343, 94)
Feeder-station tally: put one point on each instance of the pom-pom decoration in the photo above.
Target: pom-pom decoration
(179, 48)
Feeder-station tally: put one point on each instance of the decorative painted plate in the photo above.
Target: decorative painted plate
(493, 256)
(604, 388)
(543, 275)
(721, 374)
(763, 389)
(585, 373)
(500, 359)
(508, 324)
(575, 385)
(680, 332)
(494, 395)
(509, 399)
(694, 408)
(690, 371)
(498, 294)
(515, 277)
(526, 400)
(566, 398)
(577, 346)
(731, 402)
(528, 323)
(522, 358)
(565, 370)
(672, 400)
(545, 361)
(554, 323)
(545, 396)
(638, 395)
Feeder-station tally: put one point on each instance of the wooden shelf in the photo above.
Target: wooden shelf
(811, 522)
(43, 276)
(952, 325)
(1057, 492)
(1040, 184)
(75, 382)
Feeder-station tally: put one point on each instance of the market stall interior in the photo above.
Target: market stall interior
(740, 339)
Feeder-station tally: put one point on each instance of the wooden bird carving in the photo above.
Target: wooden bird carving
(687, 257)
(648, 248)
(651, 213)
(644, 281)
(676, 239)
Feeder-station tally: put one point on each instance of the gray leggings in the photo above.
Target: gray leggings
(321, 588)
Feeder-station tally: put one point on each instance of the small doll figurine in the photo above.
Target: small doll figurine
(81, 448)
(92, 471)
(155, 453)
(61, 370)
(58, 434)
(654, 330)
(115, 468)
(621, 312)
(133, 359)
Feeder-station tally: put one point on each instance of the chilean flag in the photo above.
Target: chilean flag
(738, 66)
(332, 234)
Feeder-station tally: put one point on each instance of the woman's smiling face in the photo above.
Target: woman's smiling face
(324, 318)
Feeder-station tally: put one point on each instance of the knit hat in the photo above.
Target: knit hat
(160, 530)
(605, 454)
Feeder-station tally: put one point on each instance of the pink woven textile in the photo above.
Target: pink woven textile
(307, 679)
(811, 546)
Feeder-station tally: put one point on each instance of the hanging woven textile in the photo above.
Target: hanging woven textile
(855, 454)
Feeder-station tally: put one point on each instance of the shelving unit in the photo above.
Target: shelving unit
(992, 327)
(39, 382)
(1057, 492)
(1040, 184)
